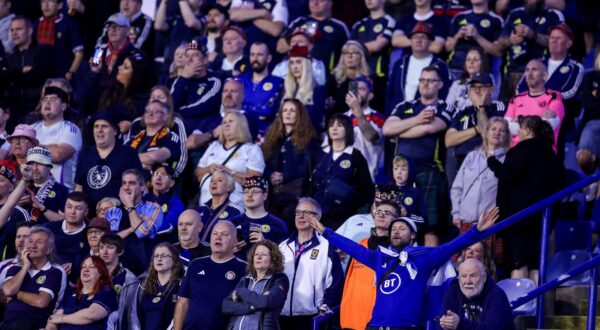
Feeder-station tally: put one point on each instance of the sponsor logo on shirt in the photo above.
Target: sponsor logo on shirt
(314, 254)
(391, 284)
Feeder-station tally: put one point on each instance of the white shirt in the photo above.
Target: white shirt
(373, 151)
(415, 66)
(279, 12)
(62, 132)
(553, 65)
(247, 157)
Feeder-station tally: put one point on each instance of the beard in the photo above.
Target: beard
(212, 27)
(258, 67)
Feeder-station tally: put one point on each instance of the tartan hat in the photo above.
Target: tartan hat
(256, 182)
(8, 173)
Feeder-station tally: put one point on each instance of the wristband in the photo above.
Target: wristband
(130, 209)
(44, 209)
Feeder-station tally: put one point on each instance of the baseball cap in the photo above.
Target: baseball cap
(236, 29)
(483, 78)
(422, 27)
(118, 19)
(40, 155)
(52, 90)
(25, 131)
(107, 116)
(222, 9)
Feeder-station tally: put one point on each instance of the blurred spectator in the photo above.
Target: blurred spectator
(301, 84)
(259, 297)
(536, 101)
(262, 91)
(154, 300)
(162, 193)
(62, 34)
(523, 179)
(190, 247)
(475, 187)
(359, 294)
(217, 19)
(106, 204)
(316, 277)
(302, 38)
(352, 64)
(476, 63)
(410, 198)
(94, 231)
(27, 68)
(262, 21)
(208, 281)
(288, 148)
(34, 299)
(418, 126)
(403, 84)
(10, 221)
(588, 156)
(21, 140)
(482, 253)
(176, 67)
(91, 18)
(474, 300)
(178, 28)
(466, 131)
(21, 240)
(374, 32)
(100, 165)
(525, 37)
(340, 180)
(256, 224)
(47, 197)
(478, 27)
(156, 143)
(219, 206)
(61, 137)
(233, 152)
(329, 33)
(5, 146)
(6, 17)
(367, 124)
(91, 302)
(234, 41)
(423, 13)
(197, 92)
(71, 241)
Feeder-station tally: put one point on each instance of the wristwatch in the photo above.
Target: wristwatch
(130, 209)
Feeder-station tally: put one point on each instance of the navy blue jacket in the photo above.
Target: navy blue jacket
(566, 78)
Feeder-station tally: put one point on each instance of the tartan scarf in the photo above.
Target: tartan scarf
(112, 54)
(47, 30)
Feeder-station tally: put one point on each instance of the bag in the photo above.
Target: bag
(338, 191)
(293, 187)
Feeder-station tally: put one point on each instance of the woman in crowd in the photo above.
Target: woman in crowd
(155, 301)
(177, 64)
(476, 62)
(94, 230)
(531, 171)
(341, 181)
(352, 64)
(259, 297)
(481, 252)
(299, 84)
(91, 303)
(233, 152)
(106, 204)
(156, 143)
(288, 147)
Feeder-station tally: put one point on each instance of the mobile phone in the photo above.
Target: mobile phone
(97, 56)
(254, 226)
(353, 87)
(240, 235)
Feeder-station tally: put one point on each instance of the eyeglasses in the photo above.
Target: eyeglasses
(347, 52)
(427, 81)
(154, 112)
(160, 175)
(162, 256)
(95, 232)
(306, 213)
(252, 192)
(384, 213)
(478, 88)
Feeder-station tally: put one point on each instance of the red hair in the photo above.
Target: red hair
(105, 279)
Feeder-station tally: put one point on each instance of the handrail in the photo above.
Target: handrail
(317, 320)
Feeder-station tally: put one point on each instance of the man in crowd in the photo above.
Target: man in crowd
(419, 127)
(475, 301)
(190, 246)
(60, 136)
(141, 30)
(208, 281)
(36, 286)
(8, 229)
(256, 224)
(217, 18)
(423, 13)
(111, 249)
(117, 49)
(99, 165)
(403, 84)
(232, 54)
(315, 267)
(96, 227)
(262, 91)
(21, 241)
(368, 123)
(196, 92)
(329, 33)
(48, 197)
(71, 241)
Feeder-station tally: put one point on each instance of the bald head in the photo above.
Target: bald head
(189, 226)
(535, 75)
(471, 277)
(233, 95)
(222, 240)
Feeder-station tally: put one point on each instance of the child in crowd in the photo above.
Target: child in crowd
(411, 197)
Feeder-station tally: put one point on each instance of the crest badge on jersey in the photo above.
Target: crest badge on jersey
(564, 69)
(328, 28)
(98, 176)
(51, 194)
(408, 201)
(41, 279)
(378, 28)
(265, 228)
(345, 164)
(314, 254)
(200, 90)
(485, 23)
(230, 275)
(267, 87)
(223, 215)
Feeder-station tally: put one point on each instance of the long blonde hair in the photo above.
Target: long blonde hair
(243, 135)
(301, 90)
(340, 72)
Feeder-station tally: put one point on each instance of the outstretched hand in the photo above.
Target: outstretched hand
(488, 218)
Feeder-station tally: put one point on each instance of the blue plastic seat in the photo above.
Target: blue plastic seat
(516, 288)
(563, 261)
(573, 235)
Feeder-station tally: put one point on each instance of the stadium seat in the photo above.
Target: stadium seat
(573, 235)
(595, 218)
(516, 288)
(564, 261)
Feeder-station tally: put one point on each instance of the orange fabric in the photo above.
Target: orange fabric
(359, 295)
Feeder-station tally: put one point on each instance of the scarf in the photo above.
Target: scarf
(41, 196)
(112, 54)
(47, 30)
(135, 143)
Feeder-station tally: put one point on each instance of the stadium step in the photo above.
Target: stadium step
(563, 322)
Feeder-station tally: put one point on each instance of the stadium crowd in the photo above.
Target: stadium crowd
(251, 164)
